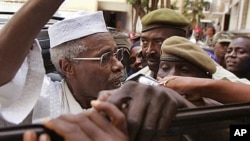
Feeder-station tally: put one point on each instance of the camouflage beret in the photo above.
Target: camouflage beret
(185, 49)
(223, 37)
(164, 18)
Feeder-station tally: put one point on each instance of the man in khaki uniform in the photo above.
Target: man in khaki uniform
(157, 26)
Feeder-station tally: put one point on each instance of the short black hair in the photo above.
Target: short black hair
(211, 26)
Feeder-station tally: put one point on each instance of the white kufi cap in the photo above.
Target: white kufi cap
(82, 25)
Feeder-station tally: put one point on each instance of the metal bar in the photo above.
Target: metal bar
(213, 117)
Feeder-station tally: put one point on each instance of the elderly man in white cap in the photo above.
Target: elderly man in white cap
(79, 57)
(89, 61)
(28, 95)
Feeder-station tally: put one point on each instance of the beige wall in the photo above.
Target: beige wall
(76, 5)
(240, 13)
(118, 6)
(234, 19)
(248, 17)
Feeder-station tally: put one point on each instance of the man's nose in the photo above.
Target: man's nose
(150, 48)
(138, 60)
(117, 65)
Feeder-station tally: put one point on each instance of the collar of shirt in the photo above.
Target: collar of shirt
(69, 103)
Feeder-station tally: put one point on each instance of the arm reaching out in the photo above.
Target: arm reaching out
(219, 90)
(18, 35)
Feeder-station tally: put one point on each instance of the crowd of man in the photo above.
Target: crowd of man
(92, 102)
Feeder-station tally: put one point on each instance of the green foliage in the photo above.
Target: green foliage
(142, 7)
(145, 3)
(131, 1)
(193, 10)
(173, 6)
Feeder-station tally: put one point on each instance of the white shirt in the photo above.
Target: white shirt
(146, 71)
(223, 74)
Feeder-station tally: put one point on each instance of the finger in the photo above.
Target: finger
(134, 105)
(103, 95)
(122, 95)
(104, 129)
(153, 114)
(29, 136)
(96, 123)
(136, 112)
(67, 127)
(115, 115)
(170, 110)
(135, 119)
(159, 79)
(96, 126)
(44, 137)
(193, 97)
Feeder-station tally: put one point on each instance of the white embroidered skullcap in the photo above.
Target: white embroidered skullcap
(79, 26)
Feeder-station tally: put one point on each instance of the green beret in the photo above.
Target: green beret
(164, 17)
(185, 49)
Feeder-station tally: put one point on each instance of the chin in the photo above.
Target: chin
(153, 68)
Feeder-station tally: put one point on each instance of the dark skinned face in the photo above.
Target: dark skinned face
(89, 77)
(151, 44)
(179, 68)
(237, 56)
(135, 59)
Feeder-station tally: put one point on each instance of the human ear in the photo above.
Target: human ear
(67, 68)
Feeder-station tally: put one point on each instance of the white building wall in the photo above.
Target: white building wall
(240, 15)
(119, 6)
(248, 17)
(234, 19)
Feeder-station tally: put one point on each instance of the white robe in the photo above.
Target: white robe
(31, 96)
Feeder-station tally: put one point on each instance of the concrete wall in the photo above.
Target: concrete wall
(240, 15)
(76, 5)
(234, 19)
(118, 6)
(248, 16)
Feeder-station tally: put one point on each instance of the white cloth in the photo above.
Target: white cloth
(223, 74)
(18, 97)
(69, 104)
(146, 71)
(68, 29)
(32, 94)
(55, 99)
